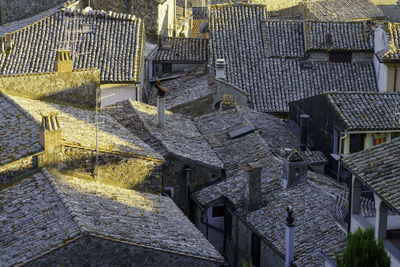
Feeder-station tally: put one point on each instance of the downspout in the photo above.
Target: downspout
(395, 79)
(342, 137)
(349, 207)
(187, 190)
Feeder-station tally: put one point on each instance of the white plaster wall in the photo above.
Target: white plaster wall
(166, 17)
(111, 94)
(381, 70)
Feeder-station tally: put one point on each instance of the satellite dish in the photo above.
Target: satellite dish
(204, 28)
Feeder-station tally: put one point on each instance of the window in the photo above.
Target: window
(228, 224)
(255, 249)
(340, 56)
(166, 67)
(356, 142)
(378, 139)
(218, 211)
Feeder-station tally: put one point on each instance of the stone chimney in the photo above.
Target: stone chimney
(64, 61)
(50, 134)
(294, 170)
(303, 131)
(228, 102)
(289, 255)
(161, 105)
(220, 69)
(252, 187)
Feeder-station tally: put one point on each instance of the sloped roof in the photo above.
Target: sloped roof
(43, 213)
(33, 220)
(113, 44)
(367, 111)
(392, 52)
(179, 136)
(343, 9)
(313, 198)
(345, 36)
(236, 34)
(183, 50)
(78, 128)
(379, 168)
(19, 134)
(191, 86)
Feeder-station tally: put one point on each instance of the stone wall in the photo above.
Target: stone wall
(77, 88)
(223, 87)
(93, 251)
(20, 9)
(118, 170)
(196, 108)
(9, 173)
(175, 176)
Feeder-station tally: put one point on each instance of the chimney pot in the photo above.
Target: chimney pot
(50, 133)
(64, 62)
(252, 190)
(161, 105)
(220, 69)
(289, 257)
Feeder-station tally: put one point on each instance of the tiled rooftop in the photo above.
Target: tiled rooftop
(114, 44)
(379, 168)
(345, 36)
(42, 213)
(180, 135)
(33, 220)
(313, 198)
(78, 128)
(392, 51)
(334, 10)
(367, 111)
(183, 50)
(19, 134)
(134, 217)
(238, 34)
(189, 87)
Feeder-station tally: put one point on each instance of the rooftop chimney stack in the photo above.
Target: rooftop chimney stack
(228, 102)
(303, 131)
(252, 187)
(294, 170)
(64, 61)
(220, 69)
(50, 133)
(161, 105)
(289, 257)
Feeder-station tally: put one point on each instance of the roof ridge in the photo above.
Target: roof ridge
(66, 203)
(360, 93)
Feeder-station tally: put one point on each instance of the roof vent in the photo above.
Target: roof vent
(220, 68)
(242, 131)
(7, 43)
(307, 65)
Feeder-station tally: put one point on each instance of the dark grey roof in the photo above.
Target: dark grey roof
(78, 128)
(189, 87)
(183, 50)
(392, 52)
(33, 220)
(179, 136)
(313, 198)
(379, 168)
(344, 36)
(114, 46)
(367, 111)
(284, 38)
(43, 213)
(19, 133)
(343, 9)
(236, 34)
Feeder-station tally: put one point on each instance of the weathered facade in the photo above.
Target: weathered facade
(348, 122)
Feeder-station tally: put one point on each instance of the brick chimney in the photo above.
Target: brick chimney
(64, 62)
(303, 131)
(161, 105)
(50, 133)
(252, 187)
(294, 170)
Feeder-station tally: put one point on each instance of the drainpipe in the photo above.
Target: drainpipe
(161, 105)
(395, 79)
(303, 131)
(289, 257)
(343, 136)
(187, 190)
